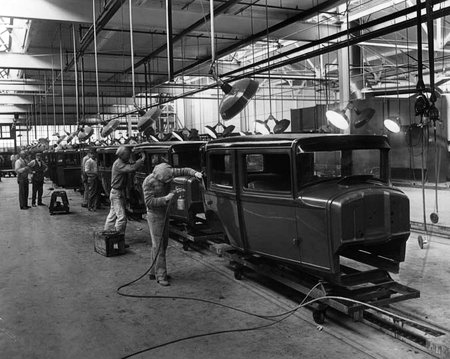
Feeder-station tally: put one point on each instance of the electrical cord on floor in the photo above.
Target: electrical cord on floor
(287, 315)
(236, 330)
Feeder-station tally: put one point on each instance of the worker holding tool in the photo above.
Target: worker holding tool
(117, 218)
(158, 197)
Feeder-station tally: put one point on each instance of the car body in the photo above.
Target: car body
(177, 154)
(308, 200)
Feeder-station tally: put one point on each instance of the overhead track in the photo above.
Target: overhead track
(354, 40)
(298, 17)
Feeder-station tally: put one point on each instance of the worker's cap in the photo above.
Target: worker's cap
(163, 172)
(122, 150)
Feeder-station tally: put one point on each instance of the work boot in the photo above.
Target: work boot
(163, 281)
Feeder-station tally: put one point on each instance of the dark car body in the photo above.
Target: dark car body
(177, 154)
(50, 160)
(68, 168)
(308, 200)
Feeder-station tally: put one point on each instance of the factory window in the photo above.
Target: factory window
(221, 170)
(5, 132)
(267, 172)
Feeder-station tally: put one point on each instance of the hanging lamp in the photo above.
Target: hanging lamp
(236, 96)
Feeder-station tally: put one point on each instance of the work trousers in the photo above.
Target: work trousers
(37, 188)
(23, 191)
(92, 184)
(117, 218)
(158, 225)
(86, 190)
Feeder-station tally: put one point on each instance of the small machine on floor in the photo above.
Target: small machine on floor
(59, 206)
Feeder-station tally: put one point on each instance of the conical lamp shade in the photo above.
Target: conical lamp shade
(227, 130)
(265, 127)
(110, 127)
(147, 120)
(364, 117)
(281, 126)
(211, 131)
(85, 133)
(337, 119)
(237, 98)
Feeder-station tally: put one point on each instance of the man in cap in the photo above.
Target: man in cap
(91, 172)
(84, 181)
(22, 170)
(38, 168)
(157, 197)
(117, 219)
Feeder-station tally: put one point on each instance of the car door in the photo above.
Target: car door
(267, 203)
(221, 197)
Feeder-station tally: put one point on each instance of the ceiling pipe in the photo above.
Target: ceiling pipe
(319, 42)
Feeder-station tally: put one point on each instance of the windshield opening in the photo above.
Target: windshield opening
(322, 166)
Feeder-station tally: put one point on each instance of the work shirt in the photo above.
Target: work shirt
(83, 163)
(155, 189)
(21, 169)
(38, 168)
(119, 171)
(90, 167)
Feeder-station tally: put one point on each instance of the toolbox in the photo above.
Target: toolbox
(109, 243)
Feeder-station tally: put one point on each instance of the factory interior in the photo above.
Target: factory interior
(224, 179)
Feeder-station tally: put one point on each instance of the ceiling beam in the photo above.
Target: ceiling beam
(10, 60)
(53, 10)
(18, 87)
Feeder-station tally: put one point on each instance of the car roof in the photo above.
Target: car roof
(306, 141)
(169, 145)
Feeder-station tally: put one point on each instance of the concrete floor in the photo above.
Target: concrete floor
(58, 298)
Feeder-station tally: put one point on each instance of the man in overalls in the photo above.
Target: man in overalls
(38, 168)
(157, 197)
(117, 218)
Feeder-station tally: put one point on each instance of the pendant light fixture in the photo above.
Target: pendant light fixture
(236, 96)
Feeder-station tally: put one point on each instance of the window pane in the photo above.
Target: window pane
(328, 165)
(221, 170)
(268, 172)
(189, 159)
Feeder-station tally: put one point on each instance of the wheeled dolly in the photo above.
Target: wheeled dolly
(374, 287)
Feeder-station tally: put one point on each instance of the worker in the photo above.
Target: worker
(22, 170)
(117, 219)
(157, 196)
(38, 168)
(91, 173)
(84, 181)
